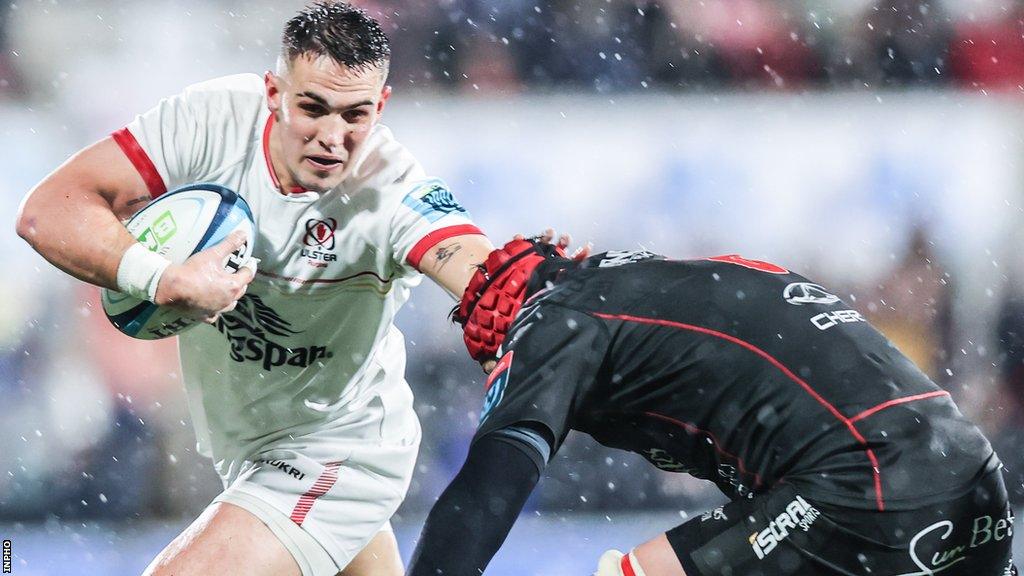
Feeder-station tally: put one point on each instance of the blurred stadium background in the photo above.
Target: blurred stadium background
(876, 146)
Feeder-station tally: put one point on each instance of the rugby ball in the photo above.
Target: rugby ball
(177, 225)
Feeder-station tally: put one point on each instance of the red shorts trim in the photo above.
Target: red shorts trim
(627, 566)
(322, 486)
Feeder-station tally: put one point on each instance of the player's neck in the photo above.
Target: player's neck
(279, 171)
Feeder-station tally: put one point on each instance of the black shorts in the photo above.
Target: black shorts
(783, 533)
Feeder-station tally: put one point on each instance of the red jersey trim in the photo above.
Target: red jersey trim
(322, 486)
(138, 157)
(896, 401)
(266, 151)
(435, 237)
(270, 165)
(691, 429)
(759, 265)
(879, 501)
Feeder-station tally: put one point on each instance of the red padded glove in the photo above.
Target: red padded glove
(495, 294)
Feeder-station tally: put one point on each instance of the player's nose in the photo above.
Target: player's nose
(332, 134)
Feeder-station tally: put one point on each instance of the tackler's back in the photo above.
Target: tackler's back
(751, 374)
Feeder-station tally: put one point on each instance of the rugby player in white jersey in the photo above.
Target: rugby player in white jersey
(296, 388)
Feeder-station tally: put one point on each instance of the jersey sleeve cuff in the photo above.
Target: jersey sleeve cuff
(434, 238)
(138, 157)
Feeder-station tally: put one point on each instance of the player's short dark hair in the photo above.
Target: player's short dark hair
(348, 35)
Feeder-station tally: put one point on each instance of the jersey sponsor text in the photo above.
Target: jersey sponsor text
(248, 328)
(283, 467)
(799, 514)
(826, 320)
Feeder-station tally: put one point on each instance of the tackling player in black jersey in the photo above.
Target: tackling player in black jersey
(839, 455)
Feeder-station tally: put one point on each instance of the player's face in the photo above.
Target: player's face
(324, 111)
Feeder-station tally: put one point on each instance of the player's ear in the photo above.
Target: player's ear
(273, 84)
(385, 93)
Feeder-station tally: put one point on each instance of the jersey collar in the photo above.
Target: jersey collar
(270, 165)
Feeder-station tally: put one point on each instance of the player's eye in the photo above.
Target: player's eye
(355, 115)
(312, 109)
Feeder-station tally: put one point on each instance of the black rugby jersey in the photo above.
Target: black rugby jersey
(737, 371)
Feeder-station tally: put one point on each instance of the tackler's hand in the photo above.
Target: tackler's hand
(496, 291)
(563, 243)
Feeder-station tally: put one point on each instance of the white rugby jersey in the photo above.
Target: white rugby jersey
(313, 337)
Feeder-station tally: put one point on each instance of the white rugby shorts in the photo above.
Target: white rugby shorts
(327, 493)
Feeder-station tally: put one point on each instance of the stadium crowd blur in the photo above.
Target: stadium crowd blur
(79, 447)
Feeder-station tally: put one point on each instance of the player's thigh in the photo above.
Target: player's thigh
(225, 540)
(379, 558)
(329, 493)
(657, 558)
(778, 533)
(781, 533)
(965, 534)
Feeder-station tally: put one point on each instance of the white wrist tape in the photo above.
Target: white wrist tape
(139, 272)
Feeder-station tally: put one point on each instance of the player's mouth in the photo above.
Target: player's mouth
(324, 162)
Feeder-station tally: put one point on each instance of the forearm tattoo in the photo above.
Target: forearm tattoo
(444, 254)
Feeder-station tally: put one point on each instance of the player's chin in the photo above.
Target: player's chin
(321, 181)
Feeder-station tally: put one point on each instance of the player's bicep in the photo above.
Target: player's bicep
(99, 173)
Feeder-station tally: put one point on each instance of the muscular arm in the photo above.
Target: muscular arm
(470, 521)
(72, 218)
(452, 262)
